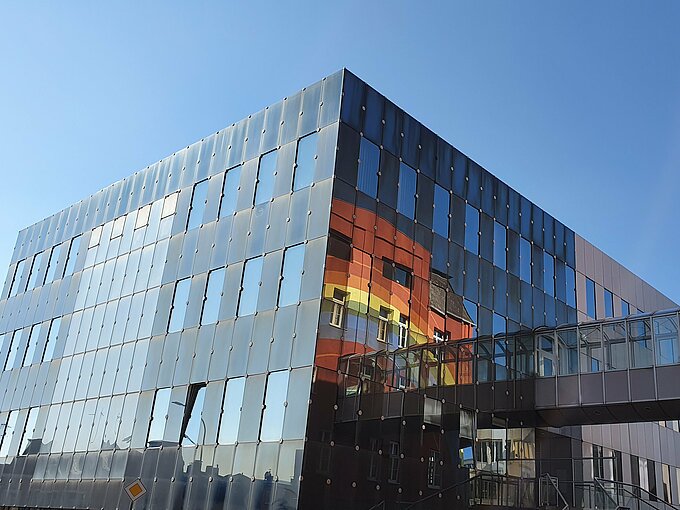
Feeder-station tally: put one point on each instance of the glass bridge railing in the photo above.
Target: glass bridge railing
(638, 341)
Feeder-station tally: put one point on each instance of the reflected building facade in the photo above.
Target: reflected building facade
(297, 312)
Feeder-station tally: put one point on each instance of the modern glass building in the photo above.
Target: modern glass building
(325, 305)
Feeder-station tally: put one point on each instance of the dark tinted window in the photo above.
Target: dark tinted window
(441, 211)
(369, 163)
(406, 198)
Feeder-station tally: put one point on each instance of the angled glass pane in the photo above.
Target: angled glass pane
(72, 256)
(13, 350)
(608, 303)
(406, 197)
(32, 344)
(179, 305)
(441, 211)
(52, 263)
(213, 296)
(548, 274)
(158, 417)
(471, 229)
(266, 175)
(198, 201)
(666, 340)
(305, 162)
(52, 336)
(18, 276)
(571, 287)
(195, 429)
(274, 406)
(590, 298)
(369, 163)
(499, 240)
(230, 192)
(250, 286)
(33, 275)
(231, 411)
(293, 261)
(8, 433)
(30, 440)
(525, 260)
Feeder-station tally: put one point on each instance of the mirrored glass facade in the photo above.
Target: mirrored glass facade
(286, 314)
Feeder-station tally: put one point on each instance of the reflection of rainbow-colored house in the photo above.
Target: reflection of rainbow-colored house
(380, 292)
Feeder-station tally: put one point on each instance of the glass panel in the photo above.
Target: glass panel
(369, 163)
(159, 417)
(608, 304)
(614, 337)
(525, 260)
(591, 349)
(195, 429)
(231, 410)
(13, 349)
(213, 296)
(499, 241)
(471, 229)
(590, 298)
(179, 305)
(32, 344)
(230, 191)
(18, 275)
(305, 162)
(406, 198)
(625, 308)
(548, 274)
(567, 352)
(640, 338)
(33, 276)
(8, 433)
(292, 275)
(198, 201)
(52, 264)
(274, 406)
(250, 286)
(30, 440)
(571, 287)
(441, 211)
(666, 340)
(265, 178)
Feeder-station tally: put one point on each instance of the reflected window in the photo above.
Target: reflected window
(625, 308)
(548, 274)
(525, 260)
(406, 197)
(52, 335)
(179, 305)
(142, 219)
(339, 247)
(16, 280)
(397, 273)
(274, 406)
(159, 416)
(471, 309)
(471, 229)
(169, 205)
(434, 473)
(32, 345)
(440, 224)
(440, 336)
(305, 161)
(393, 471)
(30, 440)
(266, 174)
(590, 298)
(213, 296)
(117, 229)
(52, 264)
(72, 256)
(338, 308)
(33, 274)
(293, 262)
(198, 202)
(231, 410)
(8, 433)
(499, 242)
(383, 322)
(250, 286)
(608, 304)
(193, 430)
(666, 338)
(369, 163)
(13, 349)
(640, 340)
(403, 330)
(230, 192)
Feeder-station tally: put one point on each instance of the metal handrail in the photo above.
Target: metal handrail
(552, 481)
(623, 486)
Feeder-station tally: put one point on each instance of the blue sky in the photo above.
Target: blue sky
(574, 104)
